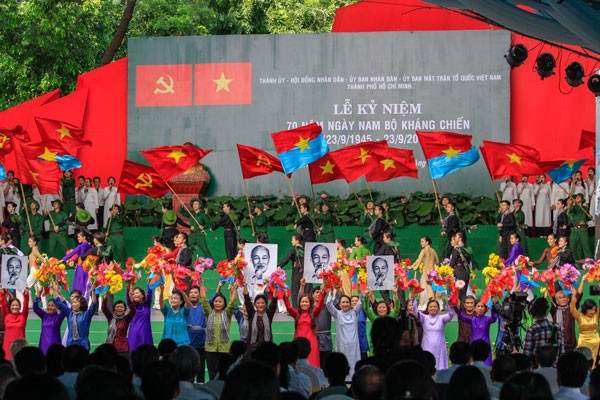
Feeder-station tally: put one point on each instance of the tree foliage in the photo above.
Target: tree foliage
(45, 44)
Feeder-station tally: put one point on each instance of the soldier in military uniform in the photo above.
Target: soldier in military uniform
(68, 192)
(229, 223)
(260, 222)
(80, 220)
(305, 225)
(506, 226)
(200, 221)
(579, 239)
(114, 234)
(169, 223)
(12, 223)
(520, 222)
(58, 230)
(326, 233)
(35, 229)
(450, 227)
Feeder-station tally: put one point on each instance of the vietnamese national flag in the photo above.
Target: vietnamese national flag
(223, 84)
(6, 138)
(163, 85)
(256, 162)
(397, 163)
(141, 179)
(324, 170)
(359, 159)
(170, 161)
(31, 170)
(504, 160)
(69, 137)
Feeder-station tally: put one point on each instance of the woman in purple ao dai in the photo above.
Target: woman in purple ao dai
(51, 322)
(81, 277)
(140, 329)
(480, 325)
(434, 338)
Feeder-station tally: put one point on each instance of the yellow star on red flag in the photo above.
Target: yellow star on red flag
(176, 155)
(327, 168)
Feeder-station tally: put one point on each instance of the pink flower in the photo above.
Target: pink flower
(460, 284)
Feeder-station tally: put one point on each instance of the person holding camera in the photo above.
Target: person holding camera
(542, 332)
(587, 320)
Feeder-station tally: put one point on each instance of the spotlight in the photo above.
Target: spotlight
(516, 56)
(545, 65)
(594, 84)
(574, 74)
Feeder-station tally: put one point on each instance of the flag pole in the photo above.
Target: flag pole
(496, 191)
(26, 211)
(46, 209)
(570, 194)
(437, 199)
(312, 189)
(289, 182)
(359, 200)
(369, 189)
(248, 204)
(183, 205)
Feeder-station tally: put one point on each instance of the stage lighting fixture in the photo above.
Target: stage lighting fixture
(545, 65)
(574, 74)
(594, 84)
(517, 55)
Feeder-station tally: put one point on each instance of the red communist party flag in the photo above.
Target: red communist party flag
(357, 160)
(223, 84)
(324, 170)
(397, 163)
(163, 85)
(256, 162)
(141, 179)
(170, 161)
(504, 160)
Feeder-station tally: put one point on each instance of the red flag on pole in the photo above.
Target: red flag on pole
(324, 170)
(359, 159)
(256, 162)
(504, 160)
(141, 179)
(397, 163)
(170, 161)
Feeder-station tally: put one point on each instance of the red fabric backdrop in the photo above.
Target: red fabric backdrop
(548, 115)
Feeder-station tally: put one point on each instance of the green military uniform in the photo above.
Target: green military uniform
(520, 220)
(326, 233)
(115, 239)
(58, 219)
(68, 195)
(197, 237)
(444, 240)
(366, 220)
(261, 225)
(28, 191)
(359, 253)
(37, 226)
(579, 239)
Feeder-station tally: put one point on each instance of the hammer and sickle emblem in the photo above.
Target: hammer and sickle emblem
(262, 160)
(164, 87)
(3, 139)
(145, 179)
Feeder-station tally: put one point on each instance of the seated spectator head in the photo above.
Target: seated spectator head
(289, 352)
(17, 346)
(160, 381)
(74, 358)
(53, 360)
(587, 353)
(251, 380)
(545, 356)
(269, 354)
(523, 362)
(539, 308)
(142, 356)
(123, 368)
(30, 361)
(336, 368)
(238, 348)
(408, 380)
(467, 382)
(36, 387)
(97, 383)
(503, 366)
(103, 360)
(368, 383)
(526, 386)
(107, 349)
(303, 346)
(480, 350)
(187, 363)
(429, 362)
(594, 383)
(7, 375)
(385, 335)
(166, 347)
(571, 370)
(460, 353)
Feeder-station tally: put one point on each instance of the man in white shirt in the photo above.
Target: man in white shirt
(298, 381)
(111, 197)
(302, 364)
